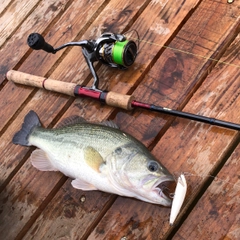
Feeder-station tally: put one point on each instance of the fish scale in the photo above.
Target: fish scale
(97, 157)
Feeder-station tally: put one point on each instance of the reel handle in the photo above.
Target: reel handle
(72, 89)
(37, 42)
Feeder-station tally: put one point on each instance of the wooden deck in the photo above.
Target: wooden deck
(197, 72)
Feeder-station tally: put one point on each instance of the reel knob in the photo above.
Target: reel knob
(37, 42)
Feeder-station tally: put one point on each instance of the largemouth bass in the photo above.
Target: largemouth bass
(97, 157)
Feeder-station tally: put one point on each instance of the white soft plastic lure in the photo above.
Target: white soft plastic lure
(179, 197)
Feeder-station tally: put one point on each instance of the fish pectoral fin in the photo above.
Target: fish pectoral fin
(81, 184)
(93, 158)
(40, 160)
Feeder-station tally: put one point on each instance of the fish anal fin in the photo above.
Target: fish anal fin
(93, 158)
(81, 184)
(40, 160)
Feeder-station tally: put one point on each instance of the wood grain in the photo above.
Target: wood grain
(43, 205)
(217, 142)
(43, 15)
(4, 4)
(72, 210)
(186, 147)
(12, 19)
(69, 29)
(173, 150)
(56, 103)
(46, 106)
(216, 215)
(176, 74)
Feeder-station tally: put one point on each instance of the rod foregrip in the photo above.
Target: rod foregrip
(119, 100)
(41, 82)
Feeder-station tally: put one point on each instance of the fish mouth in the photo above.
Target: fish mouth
(166, 188)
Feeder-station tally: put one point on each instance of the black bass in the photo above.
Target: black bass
(97, 157)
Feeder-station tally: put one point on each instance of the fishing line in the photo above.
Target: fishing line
(215, 178)
(189, 53)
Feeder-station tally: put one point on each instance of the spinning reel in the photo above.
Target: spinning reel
(113, 50)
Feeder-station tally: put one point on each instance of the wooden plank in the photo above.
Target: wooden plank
(216, 215)
(20, 200)
(186, 147)
(17, 95)
(129, 223)
(55, 101)
(47, 107)
(15, 100)
(72, 210)
(12, 18)
(67, 28)
(199, 149)
(180, 70)
(94, 107)
(42, 219)
(38, 20)
(43, 98)
(224, 105)
(4, 4)
(16, 208)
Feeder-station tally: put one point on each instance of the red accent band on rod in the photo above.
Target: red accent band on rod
(43, 82)
(140, 104)
(86, 92)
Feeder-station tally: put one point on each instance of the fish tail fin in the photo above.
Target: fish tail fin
(31, 121)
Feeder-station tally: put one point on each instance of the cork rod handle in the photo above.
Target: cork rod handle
(119, 100)
(41, 82)
(112, 98)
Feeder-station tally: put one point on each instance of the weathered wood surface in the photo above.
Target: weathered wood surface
(43, 205)
(216, 215)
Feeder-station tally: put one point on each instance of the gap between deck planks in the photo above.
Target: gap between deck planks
(21, 95)
(49, 111)
(90, 113)
(219, 145)
(109, 226)
(47, 104)
(24, 91)
(93, 107)
(13, 18)
(217, 212)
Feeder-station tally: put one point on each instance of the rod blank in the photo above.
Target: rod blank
(191, 116)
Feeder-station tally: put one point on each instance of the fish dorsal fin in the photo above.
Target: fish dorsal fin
(109, 124)
(40, 160)
(81, 184)
(70, 121)
(93, 158)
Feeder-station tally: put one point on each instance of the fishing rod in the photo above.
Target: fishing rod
(110, 98)
(115, 51)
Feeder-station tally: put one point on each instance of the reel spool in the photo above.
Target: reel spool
(120, 53)
(111, 49)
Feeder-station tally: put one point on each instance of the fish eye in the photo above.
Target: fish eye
(118, 150)
(152, 166)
